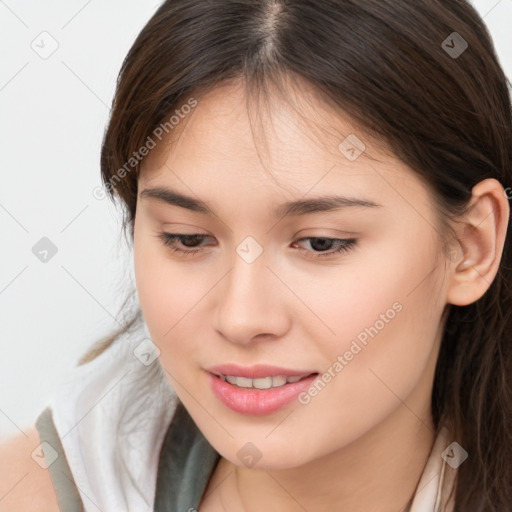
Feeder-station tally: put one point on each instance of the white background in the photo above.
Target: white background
(52, 117)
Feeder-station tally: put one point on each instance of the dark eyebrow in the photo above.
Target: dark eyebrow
(297, 207)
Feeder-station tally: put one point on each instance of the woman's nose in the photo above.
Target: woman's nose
(251, 303)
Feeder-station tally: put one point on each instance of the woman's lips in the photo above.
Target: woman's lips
(257, 371)
(257, 402)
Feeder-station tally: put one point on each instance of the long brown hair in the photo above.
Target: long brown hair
(422, 76)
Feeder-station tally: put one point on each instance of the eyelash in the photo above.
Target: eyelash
(169, 240)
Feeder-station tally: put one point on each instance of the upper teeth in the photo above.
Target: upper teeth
(262, 383)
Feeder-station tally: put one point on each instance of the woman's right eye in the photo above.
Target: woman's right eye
(188, 241)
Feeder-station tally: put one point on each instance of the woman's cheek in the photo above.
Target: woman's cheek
(386, 327)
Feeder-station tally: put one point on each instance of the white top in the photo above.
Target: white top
(112, 414)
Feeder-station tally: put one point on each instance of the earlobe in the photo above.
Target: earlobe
(481, 233)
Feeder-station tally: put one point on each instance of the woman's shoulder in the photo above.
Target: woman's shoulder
(25, 483)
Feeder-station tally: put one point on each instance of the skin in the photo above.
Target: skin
(24, 485)
(361, 444)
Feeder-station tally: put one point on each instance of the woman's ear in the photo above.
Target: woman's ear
(481, 233)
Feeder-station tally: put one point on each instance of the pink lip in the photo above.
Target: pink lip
(257, 371)
(257, 402)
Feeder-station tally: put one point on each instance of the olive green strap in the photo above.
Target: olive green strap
(68, 497)
(186, 463)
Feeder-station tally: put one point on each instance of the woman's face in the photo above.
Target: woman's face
(346, 295)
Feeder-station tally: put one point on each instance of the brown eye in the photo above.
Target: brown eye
(323, 246)
(188, 241)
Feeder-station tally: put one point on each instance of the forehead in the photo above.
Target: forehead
(295, 143)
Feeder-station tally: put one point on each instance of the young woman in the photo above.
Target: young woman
(318, 197)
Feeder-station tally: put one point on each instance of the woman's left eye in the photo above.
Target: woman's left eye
(329, 246)
(322, 246)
